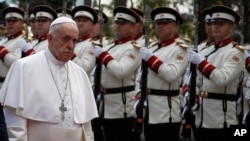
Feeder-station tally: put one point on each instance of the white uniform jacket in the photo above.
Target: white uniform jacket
(166, 70)
(15, 52)
(120, 71)
(219, 74)
(85, 57)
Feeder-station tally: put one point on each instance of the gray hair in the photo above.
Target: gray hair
(53, 30)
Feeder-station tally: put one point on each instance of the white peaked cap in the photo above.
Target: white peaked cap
(61, 20)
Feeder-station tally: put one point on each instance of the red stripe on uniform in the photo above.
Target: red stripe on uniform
(29, 52)
(247, 64)
(154, 63)
(205, 68)
(3, 52)
(105, 58)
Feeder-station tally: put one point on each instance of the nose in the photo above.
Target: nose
(71, 44)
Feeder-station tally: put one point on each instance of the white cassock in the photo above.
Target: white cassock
(31, 100)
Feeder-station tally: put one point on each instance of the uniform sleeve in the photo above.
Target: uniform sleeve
(129, 63)
(16, 125)
(229, 70)
(9, 59)
(174, 68)
(86, 59)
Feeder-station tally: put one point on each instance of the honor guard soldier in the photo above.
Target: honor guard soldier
(209, 42)
(44, 17)
(120, 63)
(85, 18)
(167, 62)
(208, 29)
(32, 24)
(246, 87)
(61, 12)
(14, 46)
(219, 73)
(138, 32)
(95, 32)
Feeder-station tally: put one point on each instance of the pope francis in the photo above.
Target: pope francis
(47, 97)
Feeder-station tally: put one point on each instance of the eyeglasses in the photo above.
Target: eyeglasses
(220, 23)
(12, 20)
(42, 19)
(120, 22)
(33, 20)
(208, 23)
(163, 22)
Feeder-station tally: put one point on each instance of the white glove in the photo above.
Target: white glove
(145, 53)
(246, 54)
(25, 46)
(98, 51)
(195, 57)
(248, 83)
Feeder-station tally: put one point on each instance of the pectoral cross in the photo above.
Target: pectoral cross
(62, 108)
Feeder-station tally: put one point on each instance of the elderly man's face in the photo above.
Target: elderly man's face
(62, 44)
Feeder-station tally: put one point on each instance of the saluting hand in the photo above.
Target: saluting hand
(145, 53)
(195, 57)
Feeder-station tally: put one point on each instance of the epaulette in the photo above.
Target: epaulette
(96, 43)
(240, 47)
(187, 40)
(135, 44)
(182, 45)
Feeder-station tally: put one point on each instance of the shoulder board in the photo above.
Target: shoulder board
(136, 45)
(187, 40)
(96, 42)
(182, 45)
(240, 47)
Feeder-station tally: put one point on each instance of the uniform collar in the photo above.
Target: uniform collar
(168, 42)
(35, 37)
(176, 36)
(224, 43)
(16, 35)
(83, 38)
(209, 43)
(124, 40)
(138, 36)
(96, 38)
(42, 38)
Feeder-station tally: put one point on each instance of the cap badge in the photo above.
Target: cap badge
(218, 15)
(41, 14)
(11, 14)
(120, 15)
(162, 15)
